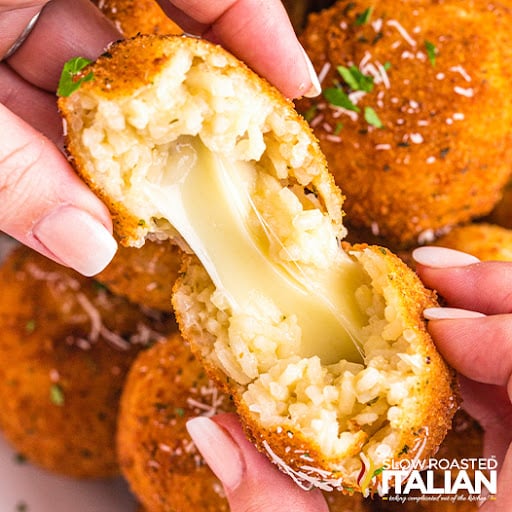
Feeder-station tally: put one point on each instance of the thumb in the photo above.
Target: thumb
(44, 204)
(250, 480)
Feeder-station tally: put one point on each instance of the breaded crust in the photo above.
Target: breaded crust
(66, 347)
(165, 387)
(485, 241)
(440, 72)
(146, 275)
(133, 17)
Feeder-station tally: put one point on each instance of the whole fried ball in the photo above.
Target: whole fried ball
(66, 346)
(145, 275)
(502, 212)
(485, 241)
(166, 386)
(415, 117)
(133, 17)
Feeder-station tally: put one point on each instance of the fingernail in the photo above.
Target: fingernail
(219, 450)
(77, 239)
(450, 314)
(442, 257)
(315, 88)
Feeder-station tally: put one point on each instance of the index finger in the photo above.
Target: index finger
(258, 32)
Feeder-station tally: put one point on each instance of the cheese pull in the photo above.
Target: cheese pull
(207, 200)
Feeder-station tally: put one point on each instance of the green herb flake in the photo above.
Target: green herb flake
(364, 17)
(179, 411)
(372, 118)
(378, 471)
(387, 65)
(355, 79)
(30, 326)
(70, 79)
(56, 395)
(338, 128)
(431, 52)
(339, 98)
(310, 113)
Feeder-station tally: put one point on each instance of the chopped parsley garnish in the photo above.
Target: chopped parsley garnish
(30, 326)
(56, 395)
(364, 17)
(378, 471)
(355, 79)
(338, 128)
(179, 411)
(431, 52)
(339, 98)
(372, 118)
(387, 65)
(69, 81)
(310, 113)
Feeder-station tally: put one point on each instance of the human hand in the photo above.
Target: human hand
(474, 335)
(43, 203)
(250, 480)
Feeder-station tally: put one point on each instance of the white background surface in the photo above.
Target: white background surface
(40, 491)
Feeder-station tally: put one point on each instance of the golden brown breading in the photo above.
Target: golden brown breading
(66, 347)
(164, 389)
(133, 17)
(325, 350)
(464, 441)
(146, 275)
(485, 241)
(437, 75)
(502, 212)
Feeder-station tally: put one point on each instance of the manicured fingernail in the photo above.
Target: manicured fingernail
(77, 239)
(219, 450)
(442, 257)
(315, 88)
(450, 314)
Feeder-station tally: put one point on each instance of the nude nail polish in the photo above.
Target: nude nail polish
(450, 314)
(219, 450)
(442, 257)
(77, 239)
(315, 88)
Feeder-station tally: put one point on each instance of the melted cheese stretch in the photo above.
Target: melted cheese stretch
(207, 201)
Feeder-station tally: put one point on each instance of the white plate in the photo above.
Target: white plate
(24, 487)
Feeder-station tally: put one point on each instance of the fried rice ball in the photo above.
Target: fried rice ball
(166, 387)
(66, 346)
(415, 117)
(502, 212)
(145, 276)
(324, 349)
(132, 17)
(487, 242)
